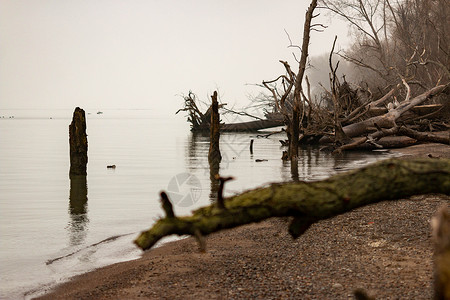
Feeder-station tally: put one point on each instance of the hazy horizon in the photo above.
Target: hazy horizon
(142, 54)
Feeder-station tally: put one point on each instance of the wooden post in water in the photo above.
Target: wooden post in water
(441, 234)
(78, 143)
(214, 151)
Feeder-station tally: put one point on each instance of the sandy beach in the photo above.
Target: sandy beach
(384, 248)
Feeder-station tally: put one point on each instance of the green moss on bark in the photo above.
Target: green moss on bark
(310, 202)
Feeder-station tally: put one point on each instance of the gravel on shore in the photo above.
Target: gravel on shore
(384, 248)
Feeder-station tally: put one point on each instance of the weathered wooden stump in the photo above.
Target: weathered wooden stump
(214, 151)
(441, 234)
(78, 143)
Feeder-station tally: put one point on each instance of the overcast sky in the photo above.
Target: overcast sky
(102, 54)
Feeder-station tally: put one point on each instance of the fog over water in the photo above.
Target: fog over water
(141, 54)
(131, 60)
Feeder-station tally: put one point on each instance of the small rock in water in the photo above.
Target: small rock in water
(111, 167)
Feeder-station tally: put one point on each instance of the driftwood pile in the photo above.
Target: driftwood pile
(361, 123)
(405, 122)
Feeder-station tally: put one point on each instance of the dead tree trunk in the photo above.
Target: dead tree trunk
(214, 150)
(78, 143)
(441, 234)
(295, 121)
(311, 202)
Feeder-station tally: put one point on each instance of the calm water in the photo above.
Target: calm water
(53, 228)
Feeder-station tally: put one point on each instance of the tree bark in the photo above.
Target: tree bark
(295, 122)
(406, 137)
(214, 150)
(425, 137)
(388, 120)
(78, 143)
(369, 107)
(310, 202)
(250, 126)
(441, 235)
(386, 142)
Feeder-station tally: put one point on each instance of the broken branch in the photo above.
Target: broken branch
(385, 180)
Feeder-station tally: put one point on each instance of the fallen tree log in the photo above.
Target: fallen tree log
(387, 120)
(251, 125)
(424, 136)
(422, 110)
(407, 137)
(390, 142)
(386, 142)
(309, 202)
(419, 110)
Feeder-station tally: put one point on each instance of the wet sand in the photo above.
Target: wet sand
(384, 248)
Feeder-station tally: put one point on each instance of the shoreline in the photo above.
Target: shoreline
(384, 248)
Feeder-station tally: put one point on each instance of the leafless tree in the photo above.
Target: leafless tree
(405, 39)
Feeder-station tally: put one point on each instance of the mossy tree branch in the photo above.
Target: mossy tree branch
(310, 202)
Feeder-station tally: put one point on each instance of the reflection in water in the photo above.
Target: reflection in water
(193, 140)
(197, 151)
(294, 169)
(214, 168)
(311, 159)
(312, 164)
(197, 158)
(78, 209)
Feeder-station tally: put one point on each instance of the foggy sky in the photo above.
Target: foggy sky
(102, 54)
